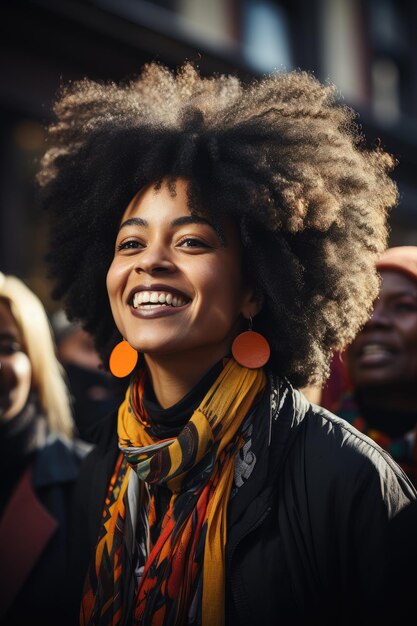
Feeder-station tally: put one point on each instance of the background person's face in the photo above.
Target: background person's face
(15, 370)
(174, 288)
(384, 353)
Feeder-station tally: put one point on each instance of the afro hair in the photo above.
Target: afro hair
(280, 156)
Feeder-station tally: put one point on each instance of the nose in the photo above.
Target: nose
(380, 316)
(155, 259)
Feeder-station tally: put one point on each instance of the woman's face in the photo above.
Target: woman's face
(384, 353)
(174, 287)
(15, 367)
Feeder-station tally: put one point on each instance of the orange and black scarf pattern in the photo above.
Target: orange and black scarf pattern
(179, 578)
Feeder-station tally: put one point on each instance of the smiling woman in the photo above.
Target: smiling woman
(384, 353)
(382, 363)
(39, 462)
(172, 271)
(188, 215)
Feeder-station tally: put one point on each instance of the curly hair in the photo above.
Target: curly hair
(279, 156)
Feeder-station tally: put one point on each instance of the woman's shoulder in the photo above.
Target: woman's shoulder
(339, 447)
(336, 431)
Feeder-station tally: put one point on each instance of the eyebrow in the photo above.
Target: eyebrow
(179, 221)
(134, 221)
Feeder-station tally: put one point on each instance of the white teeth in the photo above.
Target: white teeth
(151, 298)
(373, 348)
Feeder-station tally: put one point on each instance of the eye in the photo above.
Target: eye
(193, 242)
(130, 244)
(9, 347)
(405, 306)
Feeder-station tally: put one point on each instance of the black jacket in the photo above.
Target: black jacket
(34, 537)
(306, 537)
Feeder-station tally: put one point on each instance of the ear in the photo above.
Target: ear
(252, 304)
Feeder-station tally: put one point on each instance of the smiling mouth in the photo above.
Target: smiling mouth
(156, 299)
(375, 349)
(374, 355)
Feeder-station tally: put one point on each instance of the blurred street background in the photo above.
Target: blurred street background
(368, 48)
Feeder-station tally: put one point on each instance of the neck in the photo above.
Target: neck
(173, 377)
(387, 399)
(19, 437)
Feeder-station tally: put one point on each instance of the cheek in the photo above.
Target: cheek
(406, 326)
(221, 287)
(110, 281)
(222, 298)
(115, 281)
(23, 370)
(233, 291)
(19, 375)
(409, 333)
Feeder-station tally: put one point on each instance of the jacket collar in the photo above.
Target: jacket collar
(285, 408)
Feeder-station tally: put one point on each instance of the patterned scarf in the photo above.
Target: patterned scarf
(179, 578)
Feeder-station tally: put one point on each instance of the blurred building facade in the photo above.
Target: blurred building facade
(366, 47)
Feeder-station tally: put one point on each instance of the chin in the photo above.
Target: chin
(159, 350)
(377, 382)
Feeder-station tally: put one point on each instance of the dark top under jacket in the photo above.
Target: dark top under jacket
(306, 535)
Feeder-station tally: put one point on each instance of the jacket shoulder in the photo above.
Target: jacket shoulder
(338, 448)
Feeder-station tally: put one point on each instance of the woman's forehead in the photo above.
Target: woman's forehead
(169, 201)
(395, 281)
(154, 199)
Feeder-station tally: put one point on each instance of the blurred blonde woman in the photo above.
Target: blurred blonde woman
(38, 462)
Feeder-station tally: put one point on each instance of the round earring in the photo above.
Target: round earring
(250, 349)
(123, 359)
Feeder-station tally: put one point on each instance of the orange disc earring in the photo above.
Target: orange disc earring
(250, 349)
(123, 359)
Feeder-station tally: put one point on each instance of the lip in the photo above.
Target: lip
(374, 353)
(158, 311)
(158, 287)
